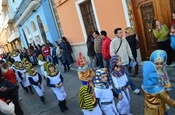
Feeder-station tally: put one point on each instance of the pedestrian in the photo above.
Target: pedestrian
(8, 91)
(36, 80)
(41, 64)
(87, 100)
(161, 33)
(120, 46)
(90, 52)
(98, 47)
(159, 58)
(121, 84)
(133, 43)
(15, 55)
(106, 48)
(58, 52)
(84, 70)
(55, 81)
(23, 75)
(156, 97)
(7, 107)
(104, 93)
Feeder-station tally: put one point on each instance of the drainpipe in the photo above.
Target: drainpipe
(53, 13)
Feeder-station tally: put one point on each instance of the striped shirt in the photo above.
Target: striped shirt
(85, 99)
(98, 44)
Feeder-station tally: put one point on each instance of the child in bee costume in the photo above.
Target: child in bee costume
(22, 73)
(36, 80)
(120, 80)
(156, 97)
(104, 93)
(41, 64)
(55, 81)
(84, 70)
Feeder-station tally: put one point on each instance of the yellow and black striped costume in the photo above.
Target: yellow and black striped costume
(85, 99)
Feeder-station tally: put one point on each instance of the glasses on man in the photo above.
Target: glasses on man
(159, 63)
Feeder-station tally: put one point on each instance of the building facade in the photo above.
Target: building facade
(35, 22)
(81, 17)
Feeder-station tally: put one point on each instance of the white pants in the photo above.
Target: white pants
(96, 111)
(124, 104)
(7, 109)
(109, 109)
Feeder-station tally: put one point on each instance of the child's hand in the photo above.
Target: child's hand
(129, 87)
(120, 97)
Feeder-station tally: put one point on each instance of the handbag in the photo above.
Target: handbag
(119, 46)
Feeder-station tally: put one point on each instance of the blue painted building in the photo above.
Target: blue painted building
(35, 21)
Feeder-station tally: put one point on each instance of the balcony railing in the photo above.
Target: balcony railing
(21, 9)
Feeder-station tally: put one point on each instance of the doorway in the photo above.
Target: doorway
(144, 11)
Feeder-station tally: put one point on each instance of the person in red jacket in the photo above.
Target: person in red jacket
(46, 53)
(8, 73)
(106, 48)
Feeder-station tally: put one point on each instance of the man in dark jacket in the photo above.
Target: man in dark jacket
(8, 91)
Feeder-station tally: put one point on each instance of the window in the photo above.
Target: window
(88, 17)
(41, 27)
(33, 26)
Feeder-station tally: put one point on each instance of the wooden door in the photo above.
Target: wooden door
(145, 11)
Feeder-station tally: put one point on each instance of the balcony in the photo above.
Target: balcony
(8, 18)
(3, 2)
(14, 36)
(25, 10)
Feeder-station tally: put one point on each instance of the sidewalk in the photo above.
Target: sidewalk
(170, 71)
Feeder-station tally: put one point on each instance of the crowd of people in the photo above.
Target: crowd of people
(106, 76)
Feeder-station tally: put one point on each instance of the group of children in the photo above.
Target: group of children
(97, 95)
(26, 74)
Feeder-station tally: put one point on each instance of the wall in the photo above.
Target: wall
(45, 14)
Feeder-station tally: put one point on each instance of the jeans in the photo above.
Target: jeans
(100, 60)
(93, 61)
(107, 61)
(133, 87)
(49, 58)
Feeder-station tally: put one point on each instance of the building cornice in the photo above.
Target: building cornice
(28, 11)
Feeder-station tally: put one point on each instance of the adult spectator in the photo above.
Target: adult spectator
(65, 55)
(106, 48)
(133, 43)
(46, 53)
(69, 48)
(8, 91)
(97, 47)
(58, 52)
(161, 33)
(90, 51)
(120, 46)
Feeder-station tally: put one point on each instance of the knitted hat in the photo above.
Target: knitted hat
(40, 57)
(81, 60)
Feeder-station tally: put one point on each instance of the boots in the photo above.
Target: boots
(61, 105)
(43, 99)
(31, 90)
(64, 105)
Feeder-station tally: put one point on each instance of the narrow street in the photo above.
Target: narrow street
(32, 105)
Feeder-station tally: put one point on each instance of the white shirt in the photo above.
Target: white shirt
(119, 82)
(124, 52)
